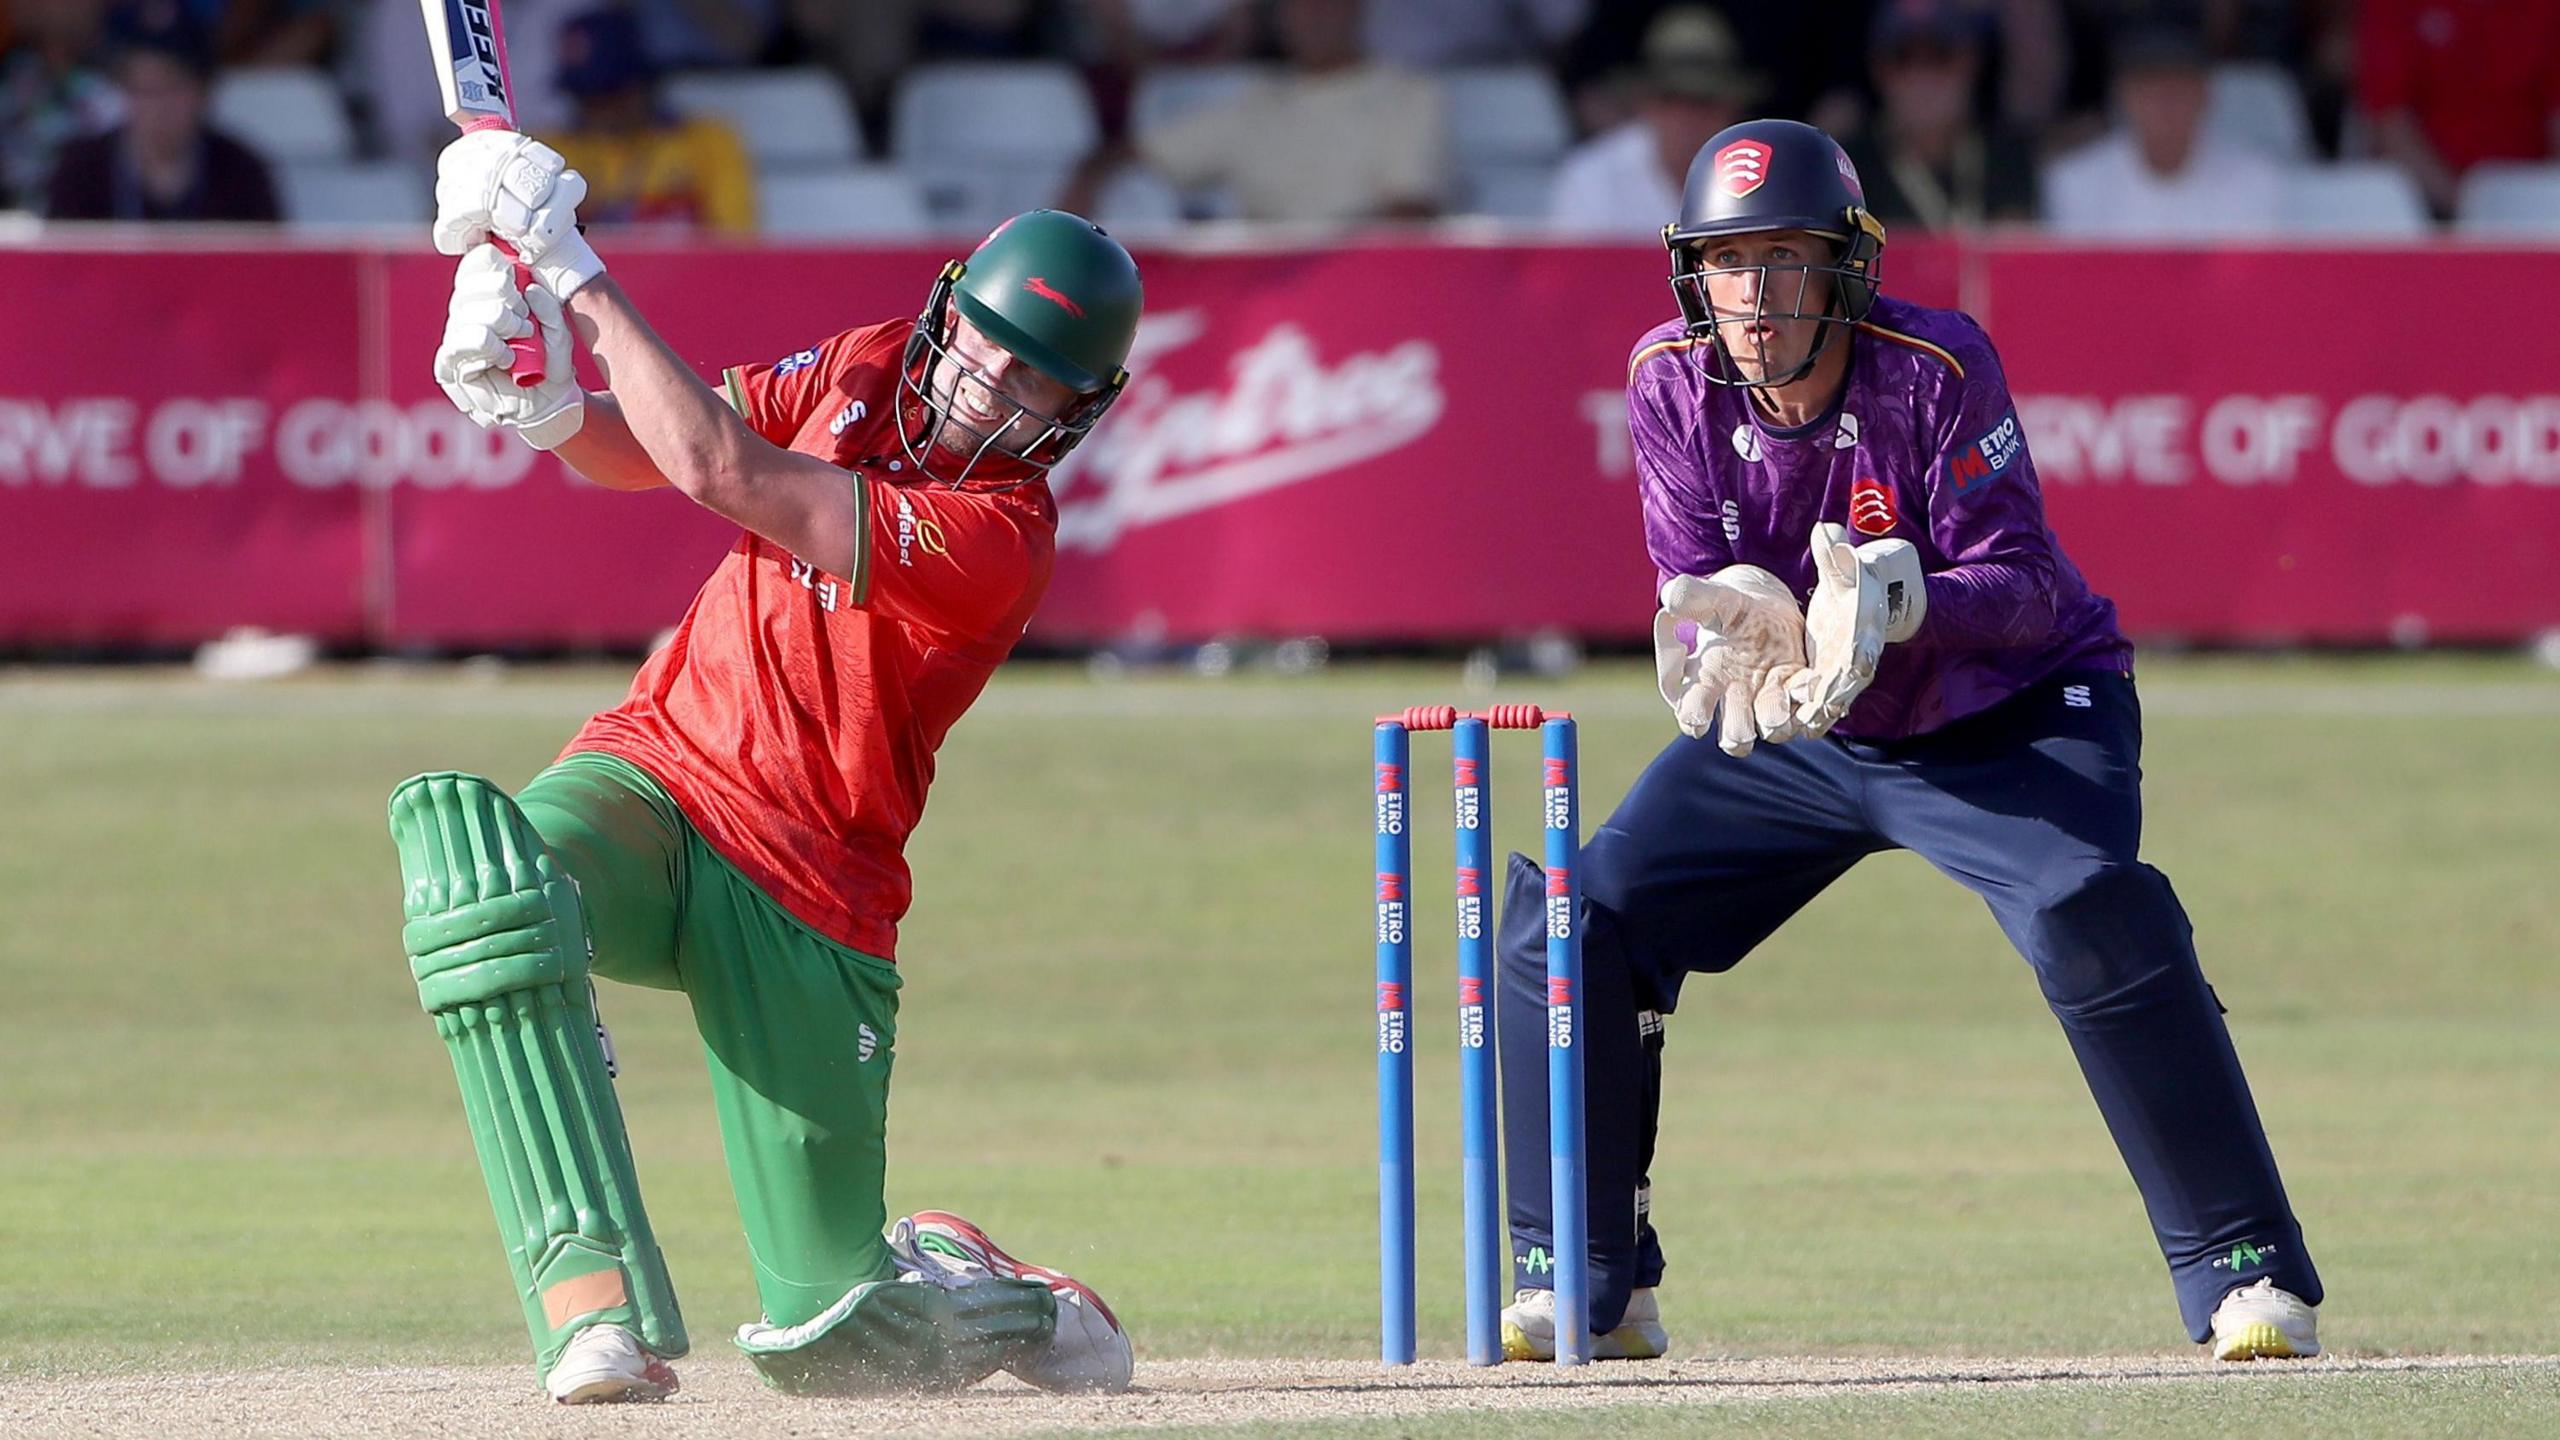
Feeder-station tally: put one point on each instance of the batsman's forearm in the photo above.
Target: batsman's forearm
(691, 436)
(606, 452)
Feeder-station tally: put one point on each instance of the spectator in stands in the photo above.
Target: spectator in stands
(1796, 43)
(1118, 41)
(163, 162)
(1925, 160)
(2451, 85)
(1694, 83)
(53, 86)
(980, 30)
(865, 46)
(705, 34)
(1434, 34)
(1337, 138)
(2159, 174)
(270, 32)
(1134, 34)
(643, 165)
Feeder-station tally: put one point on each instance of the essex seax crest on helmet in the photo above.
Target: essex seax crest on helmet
(1763, 176)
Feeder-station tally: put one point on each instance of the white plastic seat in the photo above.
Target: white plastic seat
(989, 139)
(333, 196)
(2367, 199)
(289, 116)
(2510, 200)
(1024, 111)
(1136, 200)
(1507, 190)
(783, 117)
(849, 200)
(2260, 105)
(1504, 114)
(1168, 92)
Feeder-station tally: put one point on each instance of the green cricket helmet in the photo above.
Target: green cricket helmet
(1058, 293)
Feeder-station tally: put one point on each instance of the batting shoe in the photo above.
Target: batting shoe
(1529, 1329)
(1090, 1353)
(2261, 1322)
(603, 1364)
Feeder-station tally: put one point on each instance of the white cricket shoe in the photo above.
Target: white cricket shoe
(605, 1363)
(1090, 1353)
(2261, 1322)
(1529, 1329)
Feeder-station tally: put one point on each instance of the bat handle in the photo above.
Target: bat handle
(527, 365)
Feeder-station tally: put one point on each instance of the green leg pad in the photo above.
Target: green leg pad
(907, 1335)
(497, 943)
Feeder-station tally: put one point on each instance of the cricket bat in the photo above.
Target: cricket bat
(469, 46)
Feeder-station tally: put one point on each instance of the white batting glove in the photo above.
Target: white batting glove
(1750, 647)
(497, 184)
(1865, 597)
(487, 311)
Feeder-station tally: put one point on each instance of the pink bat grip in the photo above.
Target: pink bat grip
(527, 366)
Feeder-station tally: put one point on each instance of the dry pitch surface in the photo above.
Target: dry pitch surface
(722, 1398)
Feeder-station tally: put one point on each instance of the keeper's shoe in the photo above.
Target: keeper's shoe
(1090, 1353)
(2261, 1322)
(1529, 1329)
(606, 1363)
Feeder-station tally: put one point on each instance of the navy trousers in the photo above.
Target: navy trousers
(2036, 806)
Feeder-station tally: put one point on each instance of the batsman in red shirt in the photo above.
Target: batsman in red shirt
(735, 829)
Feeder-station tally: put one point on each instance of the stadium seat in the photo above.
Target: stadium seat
(1136, 199)
(987, 139)
(783, 117)
(1504, 114)
(2509, 200)
(2364, 199)
(1170, 91)
(2260, 105)
(1507, 191)
(290, 116)
(854, 200)
(331, 196)
(1507, 127)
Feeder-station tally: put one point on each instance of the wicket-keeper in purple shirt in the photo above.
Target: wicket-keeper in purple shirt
(1872, 641)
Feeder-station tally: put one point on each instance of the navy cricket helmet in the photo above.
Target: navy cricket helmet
(1767, 175)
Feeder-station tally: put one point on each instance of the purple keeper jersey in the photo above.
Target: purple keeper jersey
(1923, 445)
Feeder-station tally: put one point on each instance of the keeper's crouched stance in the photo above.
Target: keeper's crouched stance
(735, 828)
(1951, 686)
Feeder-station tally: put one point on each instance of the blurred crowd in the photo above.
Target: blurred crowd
(2169, 119)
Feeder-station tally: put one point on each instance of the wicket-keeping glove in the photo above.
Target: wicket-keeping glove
(471, 362)
(1864, 598)
(497, 184)
(1750, 645)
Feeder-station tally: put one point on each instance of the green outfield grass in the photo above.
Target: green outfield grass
(1136, 1032)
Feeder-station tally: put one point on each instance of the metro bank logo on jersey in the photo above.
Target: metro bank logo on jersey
(1990, 457)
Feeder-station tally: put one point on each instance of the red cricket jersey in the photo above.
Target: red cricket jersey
(795, 714)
